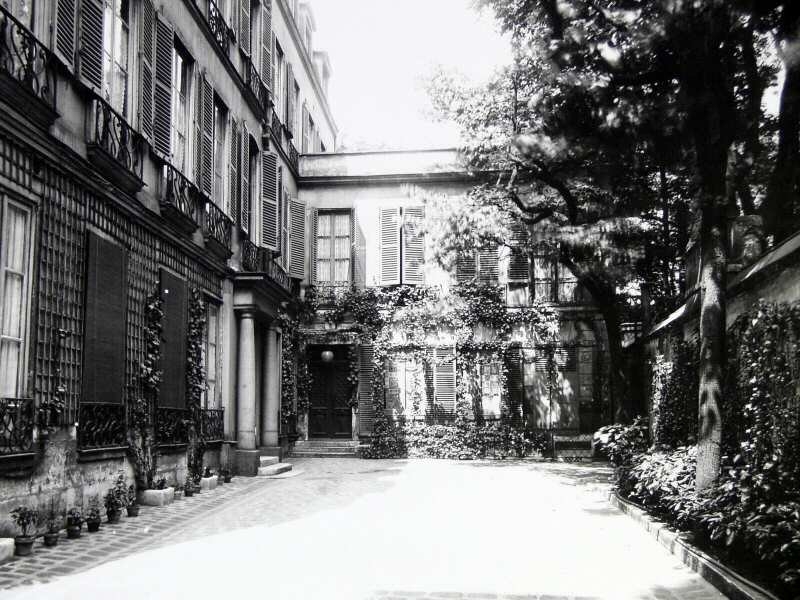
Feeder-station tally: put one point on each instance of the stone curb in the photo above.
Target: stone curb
(733, 585)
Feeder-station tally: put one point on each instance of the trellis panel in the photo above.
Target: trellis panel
(366, 412)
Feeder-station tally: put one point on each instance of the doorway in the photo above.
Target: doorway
(330, 414)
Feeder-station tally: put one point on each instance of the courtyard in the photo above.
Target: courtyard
(348, 528)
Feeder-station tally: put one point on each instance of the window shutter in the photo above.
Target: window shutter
(146, 50)
(244, 25)
(244, 184)
(359, 252)
(518, 268)
(269, 200)
(105, 322)
(197, 126)
(266, 42)
(488, 263)
(413, 245)
(297, 264)
(515, 383)
(366, 411)
(65, 31)
(91, 47)
(162, 95)
(207, 127)
(237, 206)
(313, 234)
(290, 99)
(390, 246)
(466, 267)
(284, 217)
(444, 380)
(173, 352)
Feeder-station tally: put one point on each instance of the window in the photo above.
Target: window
(116, 23)
(211, 357)
(280, 82)
(404, 387)
(15, 244)
(491, 388)
(333, 247)
(402, 245)
(220, 155)
(181, 88)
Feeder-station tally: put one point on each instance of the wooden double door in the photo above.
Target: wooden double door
(330, 414)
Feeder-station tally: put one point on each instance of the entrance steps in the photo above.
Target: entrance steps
(325, 448)
(573, 447)
(271, 465)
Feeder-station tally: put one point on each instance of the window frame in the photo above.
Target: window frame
(221, 156)
(25, 312)
(186, 70)
(215, 402)
(110, 41)
(332, 281)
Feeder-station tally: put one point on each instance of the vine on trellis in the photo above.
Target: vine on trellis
(195, 382)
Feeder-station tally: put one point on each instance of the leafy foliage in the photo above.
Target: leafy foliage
(25, 518)
(195, 381)
(622, 442)
(674, 396)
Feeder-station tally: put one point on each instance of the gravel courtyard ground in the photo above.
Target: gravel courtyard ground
(353, 529)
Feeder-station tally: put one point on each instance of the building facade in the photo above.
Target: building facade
(149, 153)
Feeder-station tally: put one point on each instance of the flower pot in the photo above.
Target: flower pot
(23, 545)
(227, 478)
(133, 510)
(73, 531)
(113, 516)
(51, 539)
(188, 492)
(93, 525)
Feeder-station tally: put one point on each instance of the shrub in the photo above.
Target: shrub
(25, 518)
(674, 396)
(621, 442)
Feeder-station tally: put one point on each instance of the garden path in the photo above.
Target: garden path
(353, 529)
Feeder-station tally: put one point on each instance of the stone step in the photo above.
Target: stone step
(274, 469)
(326, 444)
(320, 453)
(266, 461)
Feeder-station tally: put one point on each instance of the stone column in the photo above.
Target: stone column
(246, 387)
(271, 407)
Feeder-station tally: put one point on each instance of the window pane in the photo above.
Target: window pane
(343, 247)
(324, 226)
(324, 247)
(14, 238)
(342, 224)
(12, 305)
(9, 367)
(324, 270)
(342, 270)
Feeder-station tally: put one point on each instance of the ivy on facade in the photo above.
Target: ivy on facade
(195, 382)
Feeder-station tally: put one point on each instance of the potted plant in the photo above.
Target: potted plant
(133, 506)
(188, 488)
(116, 499)
(178, 491)
(25, 518)
(53, 526)
(226, 475)
(74, 523)
(93, 516)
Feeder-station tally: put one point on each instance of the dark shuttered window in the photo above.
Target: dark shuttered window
(104, 334)
(173, 349)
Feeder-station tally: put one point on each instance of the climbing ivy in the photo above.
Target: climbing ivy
(195, 382)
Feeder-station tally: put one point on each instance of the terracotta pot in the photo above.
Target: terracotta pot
(93, 525)
(113, 516)
(73, 531)
(23, 545)
(133, 510)
(51, 539)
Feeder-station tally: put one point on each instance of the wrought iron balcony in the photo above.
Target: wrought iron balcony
(101, 426)
(257, 87)
(217, 230)
(27, 63)
(276, 127)
(213, 424)
(180, 199)
(16, 425)
(294, 157)
(172, 426)
(252, 258)
(259, 260)
(114, 146)
(279, 275)
(218, 26)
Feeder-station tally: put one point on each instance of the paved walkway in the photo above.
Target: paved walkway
(353, 529)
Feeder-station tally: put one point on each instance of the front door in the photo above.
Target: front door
(330, 415)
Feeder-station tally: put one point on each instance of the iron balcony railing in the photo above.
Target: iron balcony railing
(101, 425)
(276, 127)
(217, 226)
(278, 275)
(109, 131)
(218, 26)
(180, 195)
(252, 259)
(172, 425)
(212, 424)
(294, 157)
(26, 60)
(16, 425)
(259, 260)
(257, 87)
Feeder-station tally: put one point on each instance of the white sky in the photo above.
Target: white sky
(381, 49)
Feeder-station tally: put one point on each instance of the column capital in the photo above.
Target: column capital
(247, 314)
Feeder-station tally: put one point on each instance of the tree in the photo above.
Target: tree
(610, 101)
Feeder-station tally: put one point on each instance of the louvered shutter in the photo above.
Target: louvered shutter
(359, 251)
(236, 204)
(366, 410)
(197, 126)
(269, 200)
(488, 265)
(305, 147)
(65, 31)
(413, 245)
(244, 182)
(207, 127)
(390, 245)
(266, 42)
(105, 321)
(162, 95)
(244, 25)
(297, 235)
(284, 217)
(91, 46)
(515, 383)
(518, 267)
(466, 267)
(290, 99)
(173, 351)
(444, 381)
(146, 51)
(313, 235)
